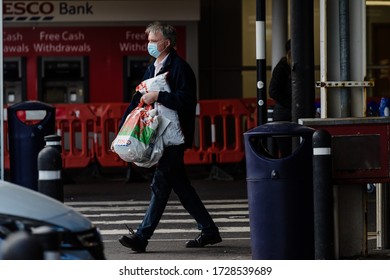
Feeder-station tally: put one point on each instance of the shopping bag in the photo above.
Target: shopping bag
(173, 135)
(157, 83)
(139, 140)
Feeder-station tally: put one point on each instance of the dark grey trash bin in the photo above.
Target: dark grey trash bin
(280, 193)
(26, 139)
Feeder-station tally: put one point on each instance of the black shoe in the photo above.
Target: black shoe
(204, 239)
(133, 241)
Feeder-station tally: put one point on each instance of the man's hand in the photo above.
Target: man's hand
(150, 97)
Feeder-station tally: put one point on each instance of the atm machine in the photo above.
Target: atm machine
(63, 79)
(14, 71)
(134, 68)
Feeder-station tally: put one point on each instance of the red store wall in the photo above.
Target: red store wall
(105, 46)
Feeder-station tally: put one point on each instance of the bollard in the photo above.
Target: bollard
(323, 196)
(49, 172)
(54, 141)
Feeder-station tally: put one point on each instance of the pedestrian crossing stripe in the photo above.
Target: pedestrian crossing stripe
(171, 221)
(171, 231)
(114, 208)
(156, 239)
(126, 214)
(146, 202)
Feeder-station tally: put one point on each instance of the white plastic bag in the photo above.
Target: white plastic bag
(158, 83)
(156, 149)
(139, 139)
(173, 134)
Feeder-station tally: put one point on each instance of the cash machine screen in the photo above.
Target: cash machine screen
(135, 68)
(14, 74)
(63, 79)
(11, 70)
(67, 70)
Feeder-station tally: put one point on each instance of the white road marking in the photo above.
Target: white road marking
(174, 221)
(146, 202)
(169, 207)
(126, 214)
(166, 230)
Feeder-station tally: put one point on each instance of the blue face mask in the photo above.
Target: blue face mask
(153, 51)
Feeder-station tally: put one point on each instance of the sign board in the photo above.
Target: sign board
(100, 11)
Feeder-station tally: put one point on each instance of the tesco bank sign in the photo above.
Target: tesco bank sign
(44, 10)
(27, 8)
(98, 11)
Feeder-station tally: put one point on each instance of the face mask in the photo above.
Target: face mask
(153, 51)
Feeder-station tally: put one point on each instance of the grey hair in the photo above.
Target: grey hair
(168, 31)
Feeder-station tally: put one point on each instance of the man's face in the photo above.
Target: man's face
(158, 39)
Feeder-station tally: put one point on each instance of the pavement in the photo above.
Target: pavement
(174, 250)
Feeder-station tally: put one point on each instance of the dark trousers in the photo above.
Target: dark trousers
(170, 174)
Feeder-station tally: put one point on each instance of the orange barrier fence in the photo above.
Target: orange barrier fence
(87, 131)
(109, 116)
(218, 138)
(75, 123)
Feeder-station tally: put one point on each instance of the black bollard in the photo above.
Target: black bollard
(54, 141)
(49, 173)
(323, 196)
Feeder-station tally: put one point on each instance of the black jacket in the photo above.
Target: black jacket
(182, 97)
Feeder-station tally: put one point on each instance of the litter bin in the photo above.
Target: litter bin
(28, 123)
(280, 193)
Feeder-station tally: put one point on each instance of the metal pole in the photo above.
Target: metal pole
(261, 63)
(323, 196)
(1, 98)
(345, 61)
(279, 30)
(302, 54)
(323, 58)
(357, 14)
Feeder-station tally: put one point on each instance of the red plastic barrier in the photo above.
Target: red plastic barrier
(109, 116)
(75, 123)
(221, 124)
(198, 154)
(251, 105)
